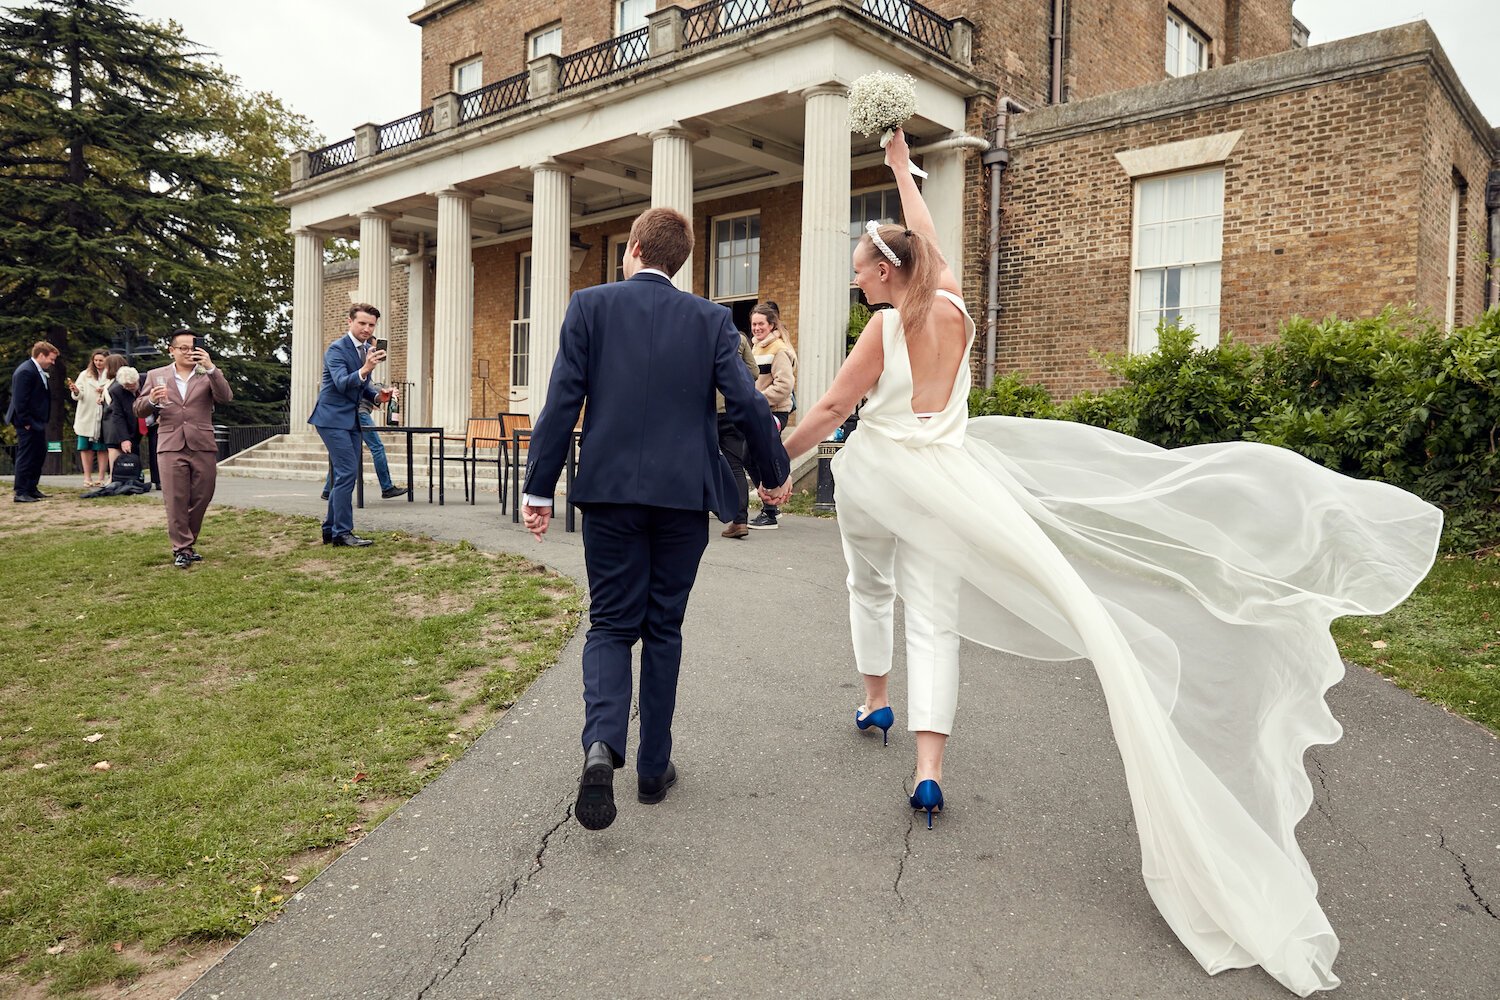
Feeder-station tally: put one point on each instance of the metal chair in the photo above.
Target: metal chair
(483, 444)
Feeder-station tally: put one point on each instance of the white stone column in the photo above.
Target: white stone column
(375, 273)
(823, 309)
(307, 327)
(672, 183)
(943, 190)
(551, 273)
(453, 314)
(414, 407)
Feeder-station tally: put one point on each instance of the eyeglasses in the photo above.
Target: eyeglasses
(182, 347)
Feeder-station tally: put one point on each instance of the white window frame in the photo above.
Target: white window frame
(616, 249)
(621, 28)
(1455, 213)
(544, 41)
(1183, 43)
(462, 69)
(1207, 336)
(715, 293)
(520, 327)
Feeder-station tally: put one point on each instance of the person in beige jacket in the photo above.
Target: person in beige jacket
(182, 395)
(776, 364)
(88, 422)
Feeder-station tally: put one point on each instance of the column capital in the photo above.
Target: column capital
(457, 193)
(674, 131)
(550, 165)
(829, 89)
(306, 231)
(375, 213)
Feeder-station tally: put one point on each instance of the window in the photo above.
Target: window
(1187, 49)
(468, 76)
(520, 327)
(630, 15)
(617, 246)
(1455, 242)
(882, 205)
(736, 252)
(1179, 242)
(544, 41)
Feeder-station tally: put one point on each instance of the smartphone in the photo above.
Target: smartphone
(380, 345)
(199, 343)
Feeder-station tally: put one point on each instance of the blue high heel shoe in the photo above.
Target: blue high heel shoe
(930, 797)
(882, 717)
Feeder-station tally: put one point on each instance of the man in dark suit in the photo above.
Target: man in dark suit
(181, 396)
(647, 358)
(30, 408)
(347, 365)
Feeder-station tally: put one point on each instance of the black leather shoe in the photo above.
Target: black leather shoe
(327, 537)
(26, 498)
(39, 495)
(595, 807)
(653, 790)
(182, 560)
(351, 540)
(393, 492)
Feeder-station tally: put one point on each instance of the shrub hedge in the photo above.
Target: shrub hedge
(1393, 398)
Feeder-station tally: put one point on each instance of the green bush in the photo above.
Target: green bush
(1391, 398)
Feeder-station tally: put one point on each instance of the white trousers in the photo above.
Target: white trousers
(931, 651)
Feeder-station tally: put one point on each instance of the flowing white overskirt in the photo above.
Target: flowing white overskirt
(1201, 583)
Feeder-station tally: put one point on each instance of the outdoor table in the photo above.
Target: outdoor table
(516, 436)
(411, 433)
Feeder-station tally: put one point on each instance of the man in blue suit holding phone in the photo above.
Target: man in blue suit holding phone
(647, 358)
(347, 365)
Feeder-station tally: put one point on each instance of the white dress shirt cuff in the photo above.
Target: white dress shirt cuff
(527, 500)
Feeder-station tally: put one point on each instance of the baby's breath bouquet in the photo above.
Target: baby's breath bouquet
(882, 102)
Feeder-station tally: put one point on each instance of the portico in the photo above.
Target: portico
(683, 115)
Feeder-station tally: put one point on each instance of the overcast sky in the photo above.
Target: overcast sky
(345, 62)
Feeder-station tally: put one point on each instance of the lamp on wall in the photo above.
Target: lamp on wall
(577, 248)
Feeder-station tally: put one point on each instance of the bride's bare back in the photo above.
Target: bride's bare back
(935, 353)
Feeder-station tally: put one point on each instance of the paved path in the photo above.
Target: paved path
(786, 864)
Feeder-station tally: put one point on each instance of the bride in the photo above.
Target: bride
(1199, 581)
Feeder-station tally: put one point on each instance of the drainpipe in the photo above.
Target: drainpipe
(996, 158)
(1056, 94)
(1492, 209)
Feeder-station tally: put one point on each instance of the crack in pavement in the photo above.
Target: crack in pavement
(538, 862)
(1468, 878)
(1327, 811)
(911, 824)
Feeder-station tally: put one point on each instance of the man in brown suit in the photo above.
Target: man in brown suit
(182, 395)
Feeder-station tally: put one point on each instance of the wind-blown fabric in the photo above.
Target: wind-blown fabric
(1199, 581)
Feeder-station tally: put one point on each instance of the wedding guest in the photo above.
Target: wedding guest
(119, 430)
(1199, 583)
(347, 364)
(388, 489)
(182, 397)
(88, 421)
(733, 444)
(776, 378)
(29, 410)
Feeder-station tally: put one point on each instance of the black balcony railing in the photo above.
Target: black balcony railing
(923, 26)
(340, 154)
(718, 18)
(496, 97)
(599, 61)
(404, 130)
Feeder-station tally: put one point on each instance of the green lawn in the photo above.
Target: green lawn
(257, 714)
(1443, 643)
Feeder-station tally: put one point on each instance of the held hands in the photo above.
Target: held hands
(537, 519)
(778, 496)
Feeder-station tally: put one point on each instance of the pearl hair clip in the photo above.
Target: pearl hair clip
(873, 228)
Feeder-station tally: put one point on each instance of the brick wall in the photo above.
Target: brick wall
(496, 30)
(1335, 200)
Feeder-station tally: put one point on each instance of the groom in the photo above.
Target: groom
(647, 359)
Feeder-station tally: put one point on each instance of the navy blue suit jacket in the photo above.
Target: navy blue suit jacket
(648, 357)
(30, 403)
(342, 387)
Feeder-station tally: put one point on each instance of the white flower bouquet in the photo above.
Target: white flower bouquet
(882, 102)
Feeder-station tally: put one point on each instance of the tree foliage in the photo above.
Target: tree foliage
(136, 184)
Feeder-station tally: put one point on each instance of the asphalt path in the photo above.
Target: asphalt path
(786, 863)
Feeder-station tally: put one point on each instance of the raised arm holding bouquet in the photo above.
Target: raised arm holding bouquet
(883, 102)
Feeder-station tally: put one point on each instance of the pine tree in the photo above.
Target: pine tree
(122, 202)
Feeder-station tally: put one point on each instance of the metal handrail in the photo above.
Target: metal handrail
(339, 154)
(609, 56)
(496, 97)
(921, 24)
(718, 18)
(404, 130)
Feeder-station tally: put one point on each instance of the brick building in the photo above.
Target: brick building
(1148, 160)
